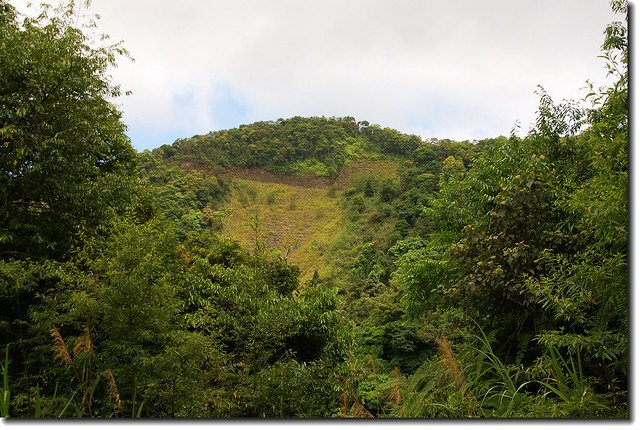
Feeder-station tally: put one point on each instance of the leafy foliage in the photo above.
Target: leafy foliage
(316, 145)
(63, 142)
(484, 279)
(531, 240)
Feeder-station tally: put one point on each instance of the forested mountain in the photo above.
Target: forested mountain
(304, 267)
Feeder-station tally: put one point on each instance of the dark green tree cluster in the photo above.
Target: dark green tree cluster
(488, 279)
(118, 297)
(388, 220)
(315, 145)
(190, 199)
(530, 243)
(66, 167)
(63, 145)
(138, 325)
(388, 216)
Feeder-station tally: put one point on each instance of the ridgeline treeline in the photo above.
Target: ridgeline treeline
(480, 279)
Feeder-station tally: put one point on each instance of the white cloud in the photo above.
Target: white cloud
(463, 69)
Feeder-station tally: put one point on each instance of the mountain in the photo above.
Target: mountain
(290, 185)
(304, 267)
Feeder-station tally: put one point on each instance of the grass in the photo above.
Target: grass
(5, 393)
(359, 169)
(503, 396)
(300, 222)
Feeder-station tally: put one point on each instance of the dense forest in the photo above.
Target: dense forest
(440, 279)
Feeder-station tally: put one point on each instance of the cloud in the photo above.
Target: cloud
(464, 69)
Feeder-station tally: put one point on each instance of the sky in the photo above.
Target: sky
(464, 69)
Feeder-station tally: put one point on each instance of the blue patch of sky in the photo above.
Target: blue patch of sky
(228, 109)
(183, 100)
(225, 109)
(143, 138)
(432, 119)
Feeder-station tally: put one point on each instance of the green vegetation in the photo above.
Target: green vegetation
(304, 267)
(316, 146)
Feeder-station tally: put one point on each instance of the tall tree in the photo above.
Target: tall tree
(66, 165)
(62, 139)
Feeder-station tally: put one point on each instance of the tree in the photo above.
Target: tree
(62, 139)
(66, 165)
(120, 288)
(284, 343)
(531, 242)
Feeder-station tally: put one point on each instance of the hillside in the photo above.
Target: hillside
(304, 267)
(396, 227)
(301, 222)
(317, 145)
(300, 205)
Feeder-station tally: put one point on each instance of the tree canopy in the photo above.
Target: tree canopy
(463, 279)
(62, 139)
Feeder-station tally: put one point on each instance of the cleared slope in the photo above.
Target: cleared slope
(301, 220)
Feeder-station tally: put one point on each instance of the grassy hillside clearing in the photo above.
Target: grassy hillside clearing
(302, 222)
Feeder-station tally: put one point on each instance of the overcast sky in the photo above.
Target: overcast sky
(463, 69)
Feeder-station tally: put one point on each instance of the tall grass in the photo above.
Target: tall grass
(112, 388)
(5, 394)
(555, 387)
(455, 372)
(570, 391)
(442, 386)
(81, 363)
(503, 394)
